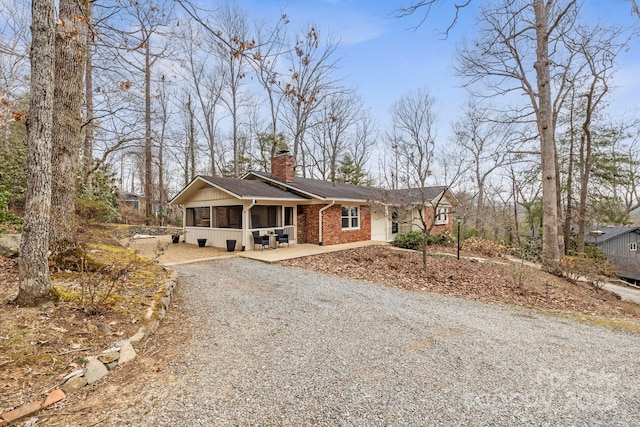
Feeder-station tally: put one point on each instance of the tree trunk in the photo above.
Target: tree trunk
(87, 149)
(148, 152)
(35, 285)
(70, 47)
(550, 247)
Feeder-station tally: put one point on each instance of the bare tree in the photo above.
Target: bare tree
(14, 58)
(207, 81)
(338, 115)
(413, 121)
(234, 30)
(35, 285)
(489, 145)
(150, 18)
(598, 49)
(311, 64)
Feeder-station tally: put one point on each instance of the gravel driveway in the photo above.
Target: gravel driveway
(279, 346)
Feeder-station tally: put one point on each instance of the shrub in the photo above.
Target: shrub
(94, 210)
(591, 265)
(484, 247)
(411, 240)
(443, 239)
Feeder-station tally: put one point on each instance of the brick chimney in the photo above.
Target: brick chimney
(282, 166)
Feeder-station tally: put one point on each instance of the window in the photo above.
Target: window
(394, 222)
(350, 217)
(198, 217)
(288, 215)
(265, 216)
(633, 247)
(442, 215)
(228, 217)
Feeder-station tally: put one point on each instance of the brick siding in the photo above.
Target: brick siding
(332, 232)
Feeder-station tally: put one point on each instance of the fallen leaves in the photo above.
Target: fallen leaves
(488, 281)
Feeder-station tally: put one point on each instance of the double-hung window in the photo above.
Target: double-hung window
(350, 217)
(442, 215)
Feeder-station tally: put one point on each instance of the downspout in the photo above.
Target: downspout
(245, 223)
(333, 202)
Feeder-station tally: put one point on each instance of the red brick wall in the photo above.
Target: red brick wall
(438, 229)
(308, 223)
(332, 233)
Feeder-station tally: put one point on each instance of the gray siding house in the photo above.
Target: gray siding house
(620, 245)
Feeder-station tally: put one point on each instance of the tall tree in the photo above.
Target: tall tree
(489, 144)
(35, 285)
(70, 59)
(147, 42)
(311, 65)
(413, 120)
(234, 29)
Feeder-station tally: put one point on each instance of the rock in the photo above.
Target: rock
(137, 337)
(95, 371)
(74, 374)
(74, 384)
(54, 397)
(121, 343)
(112, 365)
(127, 354)
(9, 245)
(109, 357)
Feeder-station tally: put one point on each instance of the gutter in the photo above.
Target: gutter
(246, 223)
(333, 202)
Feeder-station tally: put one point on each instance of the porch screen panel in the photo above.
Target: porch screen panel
(228, 217)
(198, 217)
(288, 215)
(265, 216)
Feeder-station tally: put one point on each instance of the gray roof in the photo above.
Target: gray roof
(413, 196)
(600, 235)
(342, 191)
(247, 189)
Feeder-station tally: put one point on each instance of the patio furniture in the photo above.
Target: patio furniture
(260, 240)
(281, 237)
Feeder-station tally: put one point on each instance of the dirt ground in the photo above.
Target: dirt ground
(163, 250)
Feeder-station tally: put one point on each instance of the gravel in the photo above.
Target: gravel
(280, 346)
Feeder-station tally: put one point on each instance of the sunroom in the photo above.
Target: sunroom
(217, 210)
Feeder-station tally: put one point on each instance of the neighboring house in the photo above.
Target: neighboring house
(620, 245)
(132, 200)
(308, 210)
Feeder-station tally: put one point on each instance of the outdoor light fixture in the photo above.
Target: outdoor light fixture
(458, 219)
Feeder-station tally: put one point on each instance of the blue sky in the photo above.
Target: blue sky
(384, 57)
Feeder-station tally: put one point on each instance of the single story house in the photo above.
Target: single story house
(620, 245)
(308, 210)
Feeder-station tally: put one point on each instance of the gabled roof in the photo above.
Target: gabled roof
(326, 190)
(260, 185)
(241, 189)
(604, 234)
(418, 196)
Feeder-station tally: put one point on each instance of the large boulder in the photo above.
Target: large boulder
(9, 245)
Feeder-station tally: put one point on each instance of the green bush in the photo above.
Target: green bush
(443, 239)
(94, 210)
(411, 240)
(6, 216)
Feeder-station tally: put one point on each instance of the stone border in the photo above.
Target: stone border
(97, 367)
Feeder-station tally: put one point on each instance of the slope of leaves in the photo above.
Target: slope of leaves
(495, 281)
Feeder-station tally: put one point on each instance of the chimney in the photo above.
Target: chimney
(282, 166)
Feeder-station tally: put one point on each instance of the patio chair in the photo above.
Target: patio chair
(260, 240)
(281, 237)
